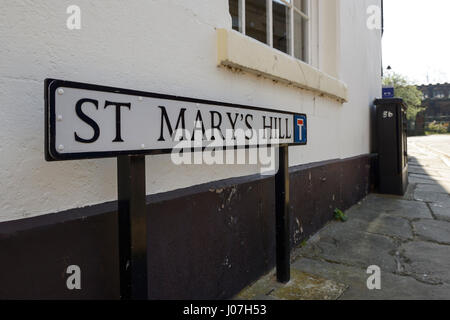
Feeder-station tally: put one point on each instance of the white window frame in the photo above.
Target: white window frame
(269, 16)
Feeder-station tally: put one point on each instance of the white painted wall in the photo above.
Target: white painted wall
(166, 46)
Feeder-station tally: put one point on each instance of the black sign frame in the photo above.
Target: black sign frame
(51, 85)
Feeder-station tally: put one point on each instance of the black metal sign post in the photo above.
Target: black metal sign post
(132, 222)
(283, 244)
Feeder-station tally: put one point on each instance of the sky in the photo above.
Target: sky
(416, 40)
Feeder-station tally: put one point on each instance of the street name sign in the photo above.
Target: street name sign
(90, 121)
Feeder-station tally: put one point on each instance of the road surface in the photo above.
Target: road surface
(430, 151)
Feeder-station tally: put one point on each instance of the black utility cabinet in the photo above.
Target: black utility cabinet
(391, 139)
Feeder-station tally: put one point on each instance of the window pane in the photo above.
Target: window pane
(280, 26)
(299, 36)
(255, 16)
(234, 12)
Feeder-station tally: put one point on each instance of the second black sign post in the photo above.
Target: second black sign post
(283, 244)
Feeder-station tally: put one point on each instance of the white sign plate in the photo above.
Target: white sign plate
(89, 121)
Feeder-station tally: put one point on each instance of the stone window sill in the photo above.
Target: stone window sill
(242, 52)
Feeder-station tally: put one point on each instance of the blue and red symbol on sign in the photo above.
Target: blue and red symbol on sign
(300, 133)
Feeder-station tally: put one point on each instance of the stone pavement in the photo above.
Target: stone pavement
(407, 237)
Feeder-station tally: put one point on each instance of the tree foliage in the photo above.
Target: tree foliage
(408, 92)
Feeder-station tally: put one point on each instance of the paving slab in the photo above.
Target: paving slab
(302, 286)
(393, 287)
(431, 196)
(437, 188)
(352, 247)
(421, 176)
(435, 163)
(433, 230)
(397, 206)
(441, 204)
(391, 226)
(261, 288)
(416, 169)
(422, 180)
(427, 171)
(377, 222)
(305, 286)
(427, 262)
(432, 178)
(441, 213)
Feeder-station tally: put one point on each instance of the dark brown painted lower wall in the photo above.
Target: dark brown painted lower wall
(205, 242)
